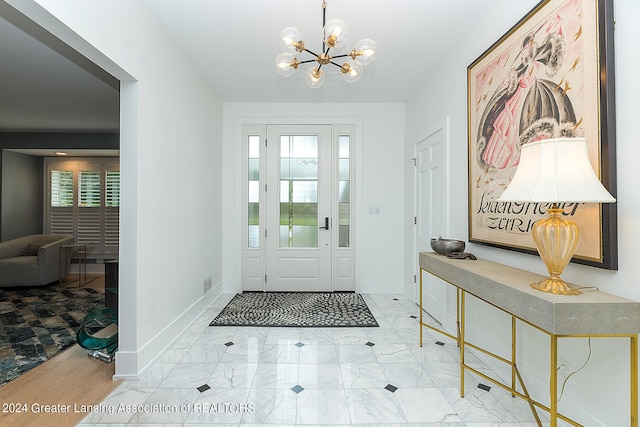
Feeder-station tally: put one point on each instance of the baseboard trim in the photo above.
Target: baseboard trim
(131, 364)
(380, 287)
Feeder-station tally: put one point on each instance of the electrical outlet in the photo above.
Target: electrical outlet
(207, 284)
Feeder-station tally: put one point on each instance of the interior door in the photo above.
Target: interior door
(430, 214)
(299, 223)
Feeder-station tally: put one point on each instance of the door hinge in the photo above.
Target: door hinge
(265, 277)
(265, 142)
(265, 232)
(415, 220)
(414, 161)
(265, 188)
(415, 278)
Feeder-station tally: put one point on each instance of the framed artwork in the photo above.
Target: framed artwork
(551, 75)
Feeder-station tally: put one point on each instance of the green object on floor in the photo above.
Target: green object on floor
(95, 321)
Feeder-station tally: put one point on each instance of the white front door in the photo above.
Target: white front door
(431, 220)
(299, 213)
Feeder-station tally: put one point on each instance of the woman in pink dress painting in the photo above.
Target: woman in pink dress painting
(527, 107)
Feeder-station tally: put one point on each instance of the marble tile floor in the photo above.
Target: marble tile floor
(246, 376)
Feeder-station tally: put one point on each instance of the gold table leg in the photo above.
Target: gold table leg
(633, 377)
(513, 355)
(420, 306)
(553, 382)
(461, 343)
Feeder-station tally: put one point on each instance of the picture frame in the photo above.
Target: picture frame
(550, 75)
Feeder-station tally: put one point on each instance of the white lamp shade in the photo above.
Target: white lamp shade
(555, 170)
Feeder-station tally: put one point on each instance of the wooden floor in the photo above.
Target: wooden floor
(65, 382)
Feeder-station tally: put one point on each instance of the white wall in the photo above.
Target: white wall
(171, 127)
(599, 394)
(379, 166)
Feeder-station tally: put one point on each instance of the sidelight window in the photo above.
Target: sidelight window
(344, 190)
(253, 202)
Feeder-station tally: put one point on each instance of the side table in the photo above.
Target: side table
(74, 251)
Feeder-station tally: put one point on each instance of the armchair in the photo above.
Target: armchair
(31, 260)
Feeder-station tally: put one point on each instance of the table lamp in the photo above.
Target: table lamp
(555, 171)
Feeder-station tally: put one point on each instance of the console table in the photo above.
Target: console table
(592, 314)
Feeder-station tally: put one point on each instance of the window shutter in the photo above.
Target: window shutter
(89, 226)
(112, 183)
(84, 201)
(61, 214)
(61, 185)
(62, 221)
(112, 211)
(89, 214)
(89, 189)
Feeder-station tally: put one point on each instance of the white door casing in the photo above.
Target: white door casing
(431, 213)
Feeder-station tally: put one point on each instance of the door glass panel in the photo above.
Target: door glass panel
(304, 191)
(304, 146)
(253, 200)
(343, 165)
(254, 169)
(254, 191)
(298, 191)
(304, 236)
(344, 193)
(344, 146)
(343, 223)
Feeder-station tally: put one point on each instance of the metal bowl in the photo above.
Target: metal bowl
(447, 246)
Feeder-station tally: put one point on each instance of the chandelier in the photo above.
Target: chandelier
(334, 38)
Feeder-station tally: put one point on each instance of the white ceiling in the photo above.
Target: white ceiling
(234, 44)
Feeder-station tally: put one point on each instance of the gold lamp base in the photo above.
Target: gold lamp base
(555, 285)
(556, 239)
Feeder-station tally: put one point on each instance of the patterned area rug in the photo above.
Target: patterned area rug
(300, 309)
(38, 323)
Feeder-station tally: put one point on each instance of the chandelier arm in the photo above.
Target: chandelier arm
(337, 65)
(307, 61)
(341, 56)
(312, 53)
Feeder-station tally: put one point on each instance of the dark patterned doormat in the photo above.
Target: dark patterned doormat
(38, 323)
(296, 309)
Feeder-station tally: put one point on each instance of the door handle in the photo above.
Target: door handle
(326, 223)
